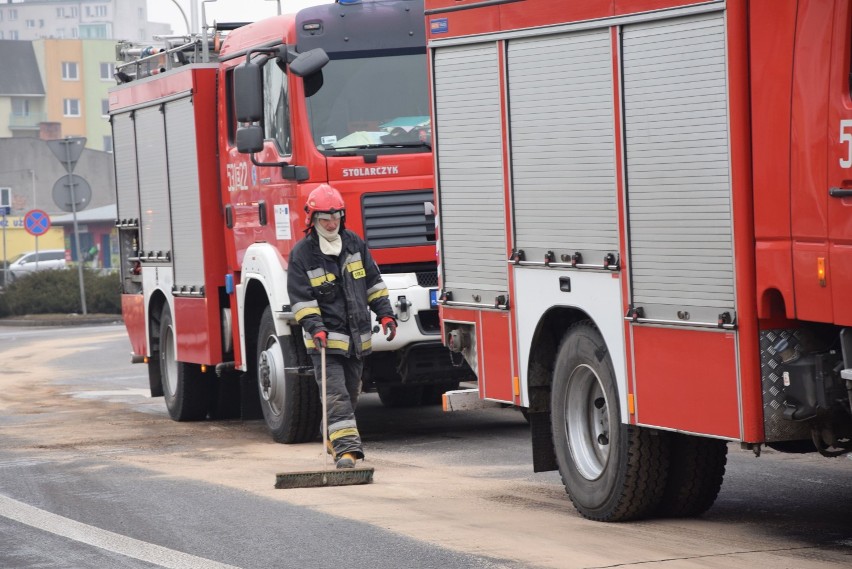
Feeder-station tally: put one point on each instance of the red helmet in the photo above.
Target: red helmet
(324, 199)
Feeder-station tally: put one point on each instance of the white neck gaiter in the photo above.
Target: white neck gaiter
(329, 241)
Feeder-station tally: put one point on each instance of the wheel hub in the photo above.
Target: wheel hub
(270, 376)
(587, 422)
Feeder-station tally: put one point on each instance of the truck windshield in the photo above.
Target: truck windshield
(375, 102)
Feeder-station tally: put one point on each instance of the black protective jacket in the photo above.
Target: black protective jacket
(336, 294)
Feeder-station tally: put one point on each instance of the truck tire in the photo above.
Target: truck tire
(611, 471)
(183, 384)
(290, 403)
(696, 470)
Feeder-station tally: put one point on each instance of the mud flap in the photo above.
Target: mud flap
(249, 398)
(544, 456)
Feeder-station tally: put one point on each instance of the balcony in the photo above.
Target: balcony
(30, 121)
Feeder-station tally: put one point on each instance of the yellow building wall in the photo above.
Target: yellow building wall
(17, 239)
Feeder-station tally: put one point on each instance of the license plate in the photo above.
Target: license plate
(433, 297)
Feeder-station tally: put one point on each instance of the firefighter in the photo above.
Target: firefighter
(332, 281)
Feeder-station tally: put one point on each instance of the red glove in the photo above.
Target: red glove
(321, 339)
(388, 327)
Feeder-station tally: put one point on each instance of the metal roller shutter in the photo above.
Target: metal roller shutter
(183, 180)
(563, 148)
(124, 142)
(470, 173)
(678, 168)
(155, 221)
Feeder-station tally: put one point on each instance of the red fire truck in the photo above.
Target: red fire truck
(645, 232)
(210, 203)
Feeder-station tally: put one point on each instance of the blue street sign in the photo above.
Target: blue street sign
(36, 222)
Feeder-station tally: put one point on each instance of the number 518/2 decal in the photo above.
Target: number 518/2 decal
(238, 176)
(846, 138)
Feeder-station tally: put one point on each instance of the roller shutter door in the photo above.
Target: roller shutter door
(563, 148)
(155, 222)
(678, 169)
(470, 173)
(183, 180)
(124, 149)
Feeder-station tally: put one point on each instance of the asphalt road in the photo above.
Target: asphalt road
(93, 474)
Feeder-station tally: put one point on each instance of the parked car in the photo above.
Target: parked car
(32, 261)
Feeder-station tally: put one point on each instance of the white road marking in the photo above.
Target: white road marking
(105, 394)
(102, 539)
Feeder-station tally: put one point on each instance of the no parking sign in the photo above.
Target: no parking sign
(36, 222)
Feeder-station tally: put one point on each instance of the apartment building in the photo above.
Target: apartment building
(50, 88)
(57, 59)
(80, 19)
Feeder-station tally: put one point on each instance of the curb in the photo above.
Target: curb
(61, 320)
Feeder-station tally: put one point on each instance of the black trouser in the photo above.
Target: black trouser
(343, 379)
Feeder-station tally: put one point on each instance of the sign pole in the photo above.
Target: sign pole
(5, 258)
(70, 167)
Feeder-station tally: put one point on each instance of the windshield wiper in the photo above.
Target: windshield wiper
(383, 145)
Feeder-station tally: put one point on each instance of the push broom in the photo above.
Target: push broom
(327, 476)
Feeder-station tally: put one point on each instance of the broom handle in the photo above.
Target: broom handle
(324, 410)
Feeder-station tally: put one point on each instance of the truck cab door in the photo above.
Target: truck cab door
(838, 266)
(809, 149)
(261, 184)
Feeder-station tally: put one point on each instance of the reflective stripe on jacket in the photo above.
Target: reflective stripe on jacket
(336, 293)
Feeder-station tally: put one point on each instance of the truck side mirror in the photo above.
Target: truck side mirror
(248, 92)
(309, 62)
(249, 139)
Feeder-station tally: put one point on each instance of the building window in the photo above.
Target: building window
(71, 107)
(75, 12)
(93, 31)
(1, 34)
(30, 23)
(60, 12)
(73, 32)
(141, 13)
(6, 199)
(20, 107)
(104, 107)
(107, 143)
(69, 70)
(101, 11)
(13, 15)
(13, 34)
(41, 23)
(1, 15)
(107, 71)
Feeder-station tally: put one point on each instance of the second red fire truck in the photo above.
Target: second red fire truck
(218, 140)
(645, 232)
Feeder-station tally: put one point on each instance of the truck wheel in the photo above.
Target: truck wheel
(290, 403)
(400, 395)
(183, 384)
(697, 467)
(611, 471)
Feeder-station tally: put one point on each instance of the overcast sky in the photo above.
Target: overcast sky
(222, 10)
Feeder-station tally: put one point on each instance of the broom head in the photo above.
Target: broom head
(318, 478)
